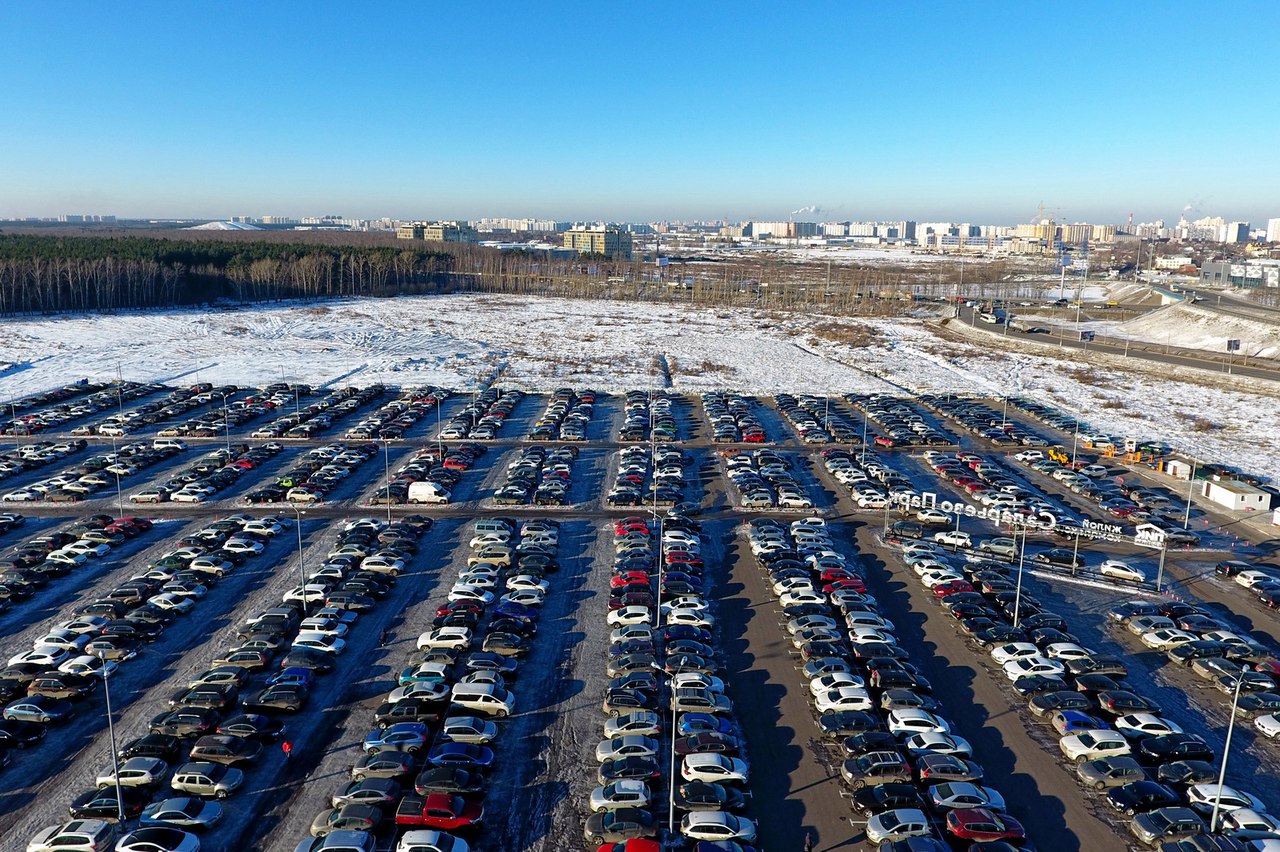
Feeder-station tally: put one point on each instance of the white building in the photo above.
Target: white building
(1237, 496)
(1273, 230)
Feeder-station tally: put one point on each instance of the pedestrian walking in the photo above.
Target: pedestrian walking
(382, 637)
(808, 841)
(287, 748)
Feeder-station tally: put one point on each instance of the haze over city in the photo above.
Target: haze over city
(634, 113)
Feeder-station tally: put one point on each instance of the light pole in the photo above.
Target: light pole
(1164, 550)
(1017, 594)
(1226, 752)
(863, 459)
(115, 464)
(1075, 441)
(386, 444)
(111, 729)
(1191, 488)
(226, 425)
(302, 560)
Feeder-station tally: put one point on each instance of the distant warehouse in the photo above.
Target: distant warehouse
(1240, 274)
(438, 232)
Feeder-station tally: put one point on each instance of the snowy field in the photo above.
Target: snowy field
(541, 344)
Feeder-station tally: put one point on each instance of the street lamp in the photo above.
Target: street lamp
(386, 444)
(1191, 488)
(111, 728)
(302, 559)
(1226, 751)
(1017, 595)
(116, 465)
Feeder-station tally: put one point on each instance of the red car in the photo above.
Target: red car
(439, 810)
(830, 575)
(977, 824)
(631, 578)
(848, 583)
(635, 844)
(882, 441)
(459, 606)
(942, 590)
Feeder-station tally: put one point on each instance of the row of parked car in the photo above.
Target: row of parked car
(35, 455)
(538, 475)
(317, 417)
(77, 482)
(765, 479)
(393, 419)
(815, 421)
(566, 418)
(482, 418)
(980, 419)
(1118, 740)
(662, 655)
(225, 413)
(32, 564)
(645, 409)
(112, 400)
(315, 474)
(648, 479)
(733, 419)
(913, 779)
(425, 766)
(60, 405)
(211, 473)
(113, 629)
(900, 423)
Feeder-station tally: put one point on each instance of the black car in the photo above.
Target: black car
(1141, 796)
(409, 710)
(884, 797)
(628, 767)
(870, 741)
(706, 796)
(103, 804)
(1170, 747)
(163, 746)
(14, 734)
(252, 726)
(1046, 703)
(843, 723)
(448, 779)
(1184, 773)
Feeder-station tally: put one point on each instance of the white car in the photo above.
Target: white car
(72, 640)
(317, 641)
(79, 835)
(935, 743)
(628, 615)
(1015, 669)
(834, 680)
(1163, 640)
(88, 664)
(697, 680)
(691, 617)
(1248, 819)
(525, 597)
(88, 548)
(628, 745)
(327, 626)
(933, 516)
(953, 538)
(642, 632)
(1014, 651)
(843, 698)
(172, 602)
(1093, 743)
(50, 656)
(1067, 651)
(1268, 725)
(799, 598)
(1121, 570)
(469, 729)
(135, 772)
(911, 720)
(445, 637)
(717, 825)
(937, 576)
(430, 690)
(623, 793)
(21, 496)
(527, 582)
(1202, 797)
(185, 496)
(715, 768)
(465, 592)
(243, 545)
(897, 824)
(1251, 578)
(1137, 725)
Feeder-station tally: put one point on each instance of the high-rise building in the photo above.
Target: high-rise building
(1273, 230)
(608, 240)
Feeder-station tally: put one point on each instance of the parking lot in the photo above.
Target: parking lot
(377, 513)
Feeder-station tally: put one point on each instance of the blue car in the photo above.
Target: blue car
(722, 846)
(488, 661)
(402, 736)
(520, 612)
(462, 755)
(677, 632)
(703, 723)
(1073, 722)
(295, 675)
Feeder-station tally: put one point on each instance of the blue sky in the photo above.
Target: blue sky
(964, 111)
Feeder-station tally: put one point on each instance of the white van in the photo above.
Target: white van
(492, 525)
(487, 698)
(168, 444)
(428, 492)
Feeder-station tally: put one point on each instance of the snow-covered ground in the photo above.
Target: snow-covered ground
(546, 343)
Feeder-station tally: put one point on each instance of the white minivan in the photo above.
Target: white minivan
(487, 698)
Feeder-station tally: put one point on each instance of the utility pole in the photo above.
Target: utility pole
(1226, 752)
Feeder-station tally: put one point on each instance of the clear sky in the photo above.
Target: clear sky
(973, 111)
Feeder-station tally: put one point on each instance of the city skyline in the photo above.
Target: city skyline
(661, 113)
